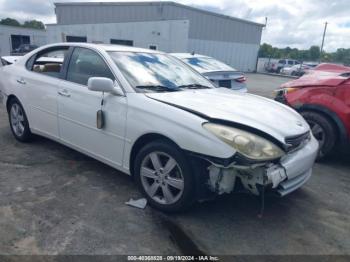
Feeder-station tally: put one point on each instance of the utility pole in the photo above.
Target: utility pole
(324, 34)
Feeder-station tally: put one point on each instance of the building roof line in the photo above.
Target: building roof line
(107, 23)
(161, 3)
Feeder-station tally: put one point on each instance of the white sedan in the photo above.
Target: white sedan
(149, 115)
(218, 72)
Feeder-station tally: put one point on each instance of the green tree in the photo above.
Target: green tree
(34, 24)
(10, 22)
(265, 50)
(314, 53)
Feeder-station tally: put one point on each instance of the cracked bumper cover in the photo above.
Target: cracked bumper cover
(292, 171)
(298, 167)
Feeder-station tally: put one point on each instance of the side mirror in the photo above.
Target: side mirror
(103, 84)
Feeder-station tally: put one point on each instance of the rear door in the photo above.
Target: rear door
(40, 82)
(78, 108)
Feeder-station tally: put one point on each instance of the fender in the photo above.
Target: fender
(321, 109)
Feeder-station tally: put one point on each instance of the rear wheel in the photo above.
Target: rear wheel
(18, 121)
(323, 130)
(164, 176)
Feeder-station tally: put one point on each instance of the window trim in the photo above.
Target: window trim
(30, 62)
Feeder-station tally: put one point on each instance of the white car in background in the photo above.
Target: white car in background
(298, 70)
(218, 72)
(149, 115)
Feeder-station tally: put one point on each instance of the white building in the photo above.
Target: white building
(162, 35)
(11, 37)
(166, 26)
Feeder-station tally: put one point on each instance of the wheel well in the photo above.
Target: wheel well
(326, 115)
(141, 142)
(9, 99)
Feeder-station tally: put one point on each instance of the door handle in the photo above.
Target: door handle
(21, 81)
(64, 93)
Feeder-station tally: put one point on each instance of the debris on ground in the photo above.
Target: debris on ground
(139, 203)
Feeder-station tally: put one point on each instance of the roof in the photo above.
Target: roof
(158, 3)
(105, 47)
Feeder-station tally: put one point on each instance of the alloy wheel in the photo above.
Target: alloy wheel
(162, 178)
(17, 119)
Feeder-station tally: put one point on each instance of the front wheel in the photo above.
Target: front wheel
(323, 130)
(18, 121)
(164, 176)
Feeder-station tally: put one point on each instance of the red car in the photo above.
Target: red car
(322, 97)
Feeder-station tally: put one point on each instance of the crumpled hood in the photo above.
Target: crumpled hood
(264, 114)
(316, 78)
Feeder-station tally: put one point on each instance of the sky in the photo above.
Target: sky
(293, 23)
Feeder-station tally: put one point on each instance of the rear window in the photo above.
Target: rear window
(207, 64)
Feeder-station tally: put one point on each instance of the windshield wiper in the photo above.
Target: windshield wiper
(194, 86)
(157, 88)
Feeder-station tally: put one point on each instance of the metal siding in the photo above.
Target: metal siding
(141, 33)
(202, 25)
(239, 55)
(37, 37)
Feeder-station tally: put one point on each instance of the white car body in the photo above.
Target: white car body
(66, 112)
(218, 72)
(8, 60)
(297, 70)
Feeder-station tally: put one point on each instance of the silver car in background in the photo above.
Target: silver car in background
(218, 72)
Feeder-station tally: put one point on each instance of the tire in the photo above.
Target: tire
(324, 131)
(156, 182)
(18, 121)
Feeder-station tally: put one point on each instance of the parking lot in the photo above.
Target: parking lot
(54, 200)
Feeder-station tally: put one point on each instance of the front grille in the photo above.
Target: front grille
(225, 83)
(296, 142)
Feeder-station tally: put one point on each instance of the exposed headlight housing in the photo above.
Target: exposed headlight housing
(284, 91)
(248, 144)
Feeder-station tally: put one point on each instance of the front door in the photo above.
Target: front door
(78, 107)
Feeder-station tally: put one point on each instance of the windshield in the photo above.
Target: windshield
(207, 64)
(159, 71)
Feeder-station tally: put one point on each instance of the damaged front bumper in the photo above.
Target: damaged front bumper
(290, 173)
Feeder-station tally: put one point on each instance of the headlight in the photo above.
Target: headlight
(283, 91)
(248, 144)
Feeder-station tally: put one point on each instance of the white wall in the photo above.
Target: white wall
(37, 37)
(169, 35)
(238, 55)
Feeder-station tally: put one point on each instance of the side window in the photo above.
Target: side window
(84, 64)
(282, 62)
(48, 62)
(290, 62)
